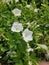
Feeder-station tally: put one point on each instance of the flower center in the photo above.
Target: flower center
(17, 27)
(26, 35)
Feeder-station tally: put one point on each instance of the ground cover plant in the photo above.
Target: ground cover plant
(24, 32)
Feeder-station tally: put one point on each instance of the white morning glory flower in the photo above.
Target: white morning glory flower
(16, 12)
(28, 6)
(16, 0)
(27, 35)
(16, 27)
(6, 1)
(43, 46)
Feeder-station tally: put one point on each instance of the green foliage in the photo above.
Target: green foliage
(12, 46)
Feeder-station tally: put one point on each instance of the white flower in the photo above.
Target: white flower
(6, 1)
(27, 35)
(36, 10)
(16, 27)
(16, 0)
(28, 6)
(16, 12)
(30, 63)
(43, 46)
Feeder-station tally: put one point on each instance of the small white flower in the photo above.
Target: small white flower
(16, 27)
(43, 46)
(16, 0)
(36, 10)
(27, 35)
(16, 12)
(30, 63)
(28, 6)
(6, 1)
